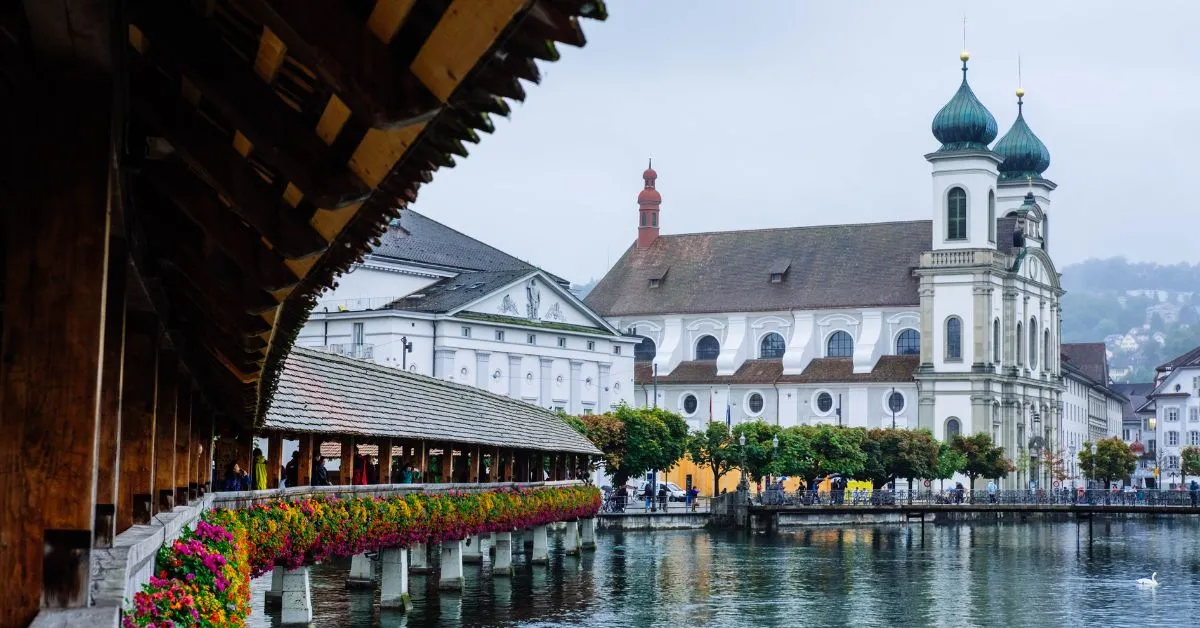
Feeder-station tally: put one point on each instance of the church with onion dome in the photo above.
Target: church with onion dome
(950, 324)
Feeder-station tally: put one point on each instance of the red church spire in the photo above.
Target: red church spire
(648, 201)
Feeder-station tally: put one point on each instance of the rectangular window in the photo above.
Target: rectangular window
(1125, 435)
(616, 349)
(562, 342)
(956, 214)
(1194, 414)
(531, 339)
(1194, 438)
(466, 332)
(357, 333)
(591, 345)
(1172, 439)
(1172, 414)
(500, 335)
(1151, 445)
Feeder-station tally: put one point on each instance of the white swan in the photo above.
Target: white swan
(1152, 581)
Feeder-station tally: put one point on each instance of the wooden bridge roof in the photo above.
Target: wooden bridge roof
(321, 393)
(270, 142)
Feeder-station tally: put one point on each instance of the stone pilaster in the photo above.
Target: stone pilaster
(502, 564)
(587, 530)
(574, 405)
(482, 372)
(541, 546)
(546, 400)
(927, 325)
(980, 324)
(602, 388)
(515, 376)
(393, 586)
(571, 538)
(451, 576)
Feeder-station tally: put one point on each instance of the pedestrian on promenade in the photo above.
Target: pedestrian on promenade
(260, 470)
(663, 497)
(991, 489)
(320, 473)
(648, 495)
(291, 471)
(1194, 488)
(235, 478)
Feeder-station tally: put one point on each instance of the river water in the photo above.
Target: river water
(1027, 574)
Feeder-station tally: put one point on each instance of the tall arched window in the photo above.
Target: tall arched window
(956, 214)
(953, 428)
(707, 348)
(839, 345)
(1020, 346)
(908, 342)
(996, 341)
(1033, 343)
(991, 216)
(772, 346)
(644, 351)
(954, 338)
(1046, 350)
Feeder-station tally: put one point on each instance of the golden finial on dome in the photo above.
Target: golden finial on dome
(964, 56)
(1020, 92)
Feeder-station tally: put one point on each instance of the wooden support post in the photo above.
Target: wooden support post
(346, 475)
(423, 457)
(305, 461)
(139, 400)
(210, 449)
(446, 464)
(108, 465)
(385, 461)
(164, 435)
(183, 439)
(476, 463)
(56, 217)
(497, 467)
(274, 459)
(197, 448)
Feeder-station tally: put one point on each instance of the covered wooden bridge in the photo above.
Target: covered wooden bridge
(181, 180)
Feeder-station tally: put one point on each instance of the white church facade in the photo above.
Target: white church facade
(951, 324)
(434, 301)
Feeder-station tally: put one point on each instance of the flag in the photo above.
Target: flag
(710, 418)
(728, 415)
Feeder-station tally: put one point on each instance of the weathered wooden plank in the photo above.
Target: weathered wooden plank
(109, 447)
(464, 34)
(279, 134)
(385, 461)
(346, 54)
(274, 459)
(139, 401)
(55, 246)
(346, 464)
(183, 440)
(305, 461)
(164, 434)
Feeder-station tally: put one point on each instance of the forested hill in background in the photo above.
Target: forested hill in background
(1145, 313)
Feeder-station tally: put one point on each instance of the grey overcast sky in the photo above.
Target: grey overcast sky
(775, 113)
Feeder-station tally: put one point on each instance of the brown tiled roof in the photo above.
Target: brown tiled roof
(1090, 358)
(321, 393)
(889, 368)
(729, 271)
(333, 450)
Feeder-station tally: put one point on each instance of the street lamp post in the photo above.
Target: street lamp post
(743, 485)
(1093, 465)
(1074, 464)
(774, 454)
(892, 406)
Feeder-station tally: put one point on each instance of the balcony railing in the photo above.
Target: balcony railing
(354, 305)
(352, 350)
(964, 257)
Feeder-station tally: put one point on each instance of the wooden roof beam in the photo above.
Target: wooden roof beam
(344, 53)
(214, 158)
(280, 136)
(549, 20)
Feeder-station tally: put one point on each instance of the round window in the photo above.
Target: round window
(824, 402)
(755, 403)
(896, 402)
(690, 404)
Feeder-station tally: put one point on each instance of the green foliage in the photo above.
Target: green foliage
(635, 440)
(981, 457)
(713, 447)
(898, 453)
(949, 461)
(758, 457)
(1189, 460)
(1112, 461)
(834, 450)
(575, 422)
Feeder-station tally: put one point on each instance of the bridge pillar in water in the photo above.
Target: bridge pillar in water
(393, 587)
(275, 593)
(587, 528)
(296, 600)
(419, 559)
(571, 538)
(473, 550)
(541, 547)
(451, 576)
(362, 572)
(502, 563)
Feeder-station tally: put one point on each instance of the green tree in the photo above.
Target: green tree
(575, 422)
(1189, 461)
(1112, 460)
(949, 461)
(713, 447)
(982, 458)
(834, 449)
(758, 457)
(893, 453)
(635, 440)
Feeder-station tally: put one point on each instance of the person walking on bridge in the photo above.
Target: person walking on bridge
(1194, 488)
(291, 472)
(991, 489)
(260, 470)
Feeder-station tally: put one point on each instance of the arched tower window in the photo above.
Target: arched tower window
(839, 345)
(953, 428)
(1033, 343)
(772, 346)
(991, 216)
(996, 341)
(956, 214)
(1046, 350)
(707, 348)
(908, 342)
(954, 338)
(645, 351)
(1020, 346)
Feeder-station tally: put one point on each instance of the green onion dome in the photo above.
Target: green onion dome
(964, 123)
(1024, 154)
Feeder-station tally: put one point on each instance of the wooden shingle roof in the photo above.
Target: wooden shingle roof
(320, 393)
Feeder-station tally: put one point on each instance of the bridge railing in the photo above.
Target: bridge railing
(1061, 497)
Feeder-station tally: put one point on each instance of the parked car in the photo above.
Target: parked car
(674, 493)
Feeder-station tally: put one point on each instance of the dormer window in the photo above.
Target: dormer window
(779, 269)
(654, 283)
(776, 277)
(657, 277)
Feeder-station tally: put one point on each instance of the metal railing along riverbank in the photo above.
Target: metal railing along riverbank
(952, 497)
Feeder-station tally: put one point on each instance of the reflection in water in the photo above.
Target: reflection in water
(1046, 574)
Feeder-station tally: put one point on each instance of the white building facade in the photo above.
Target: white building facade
(436, 302)
(1175, 403)
(949, 324)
